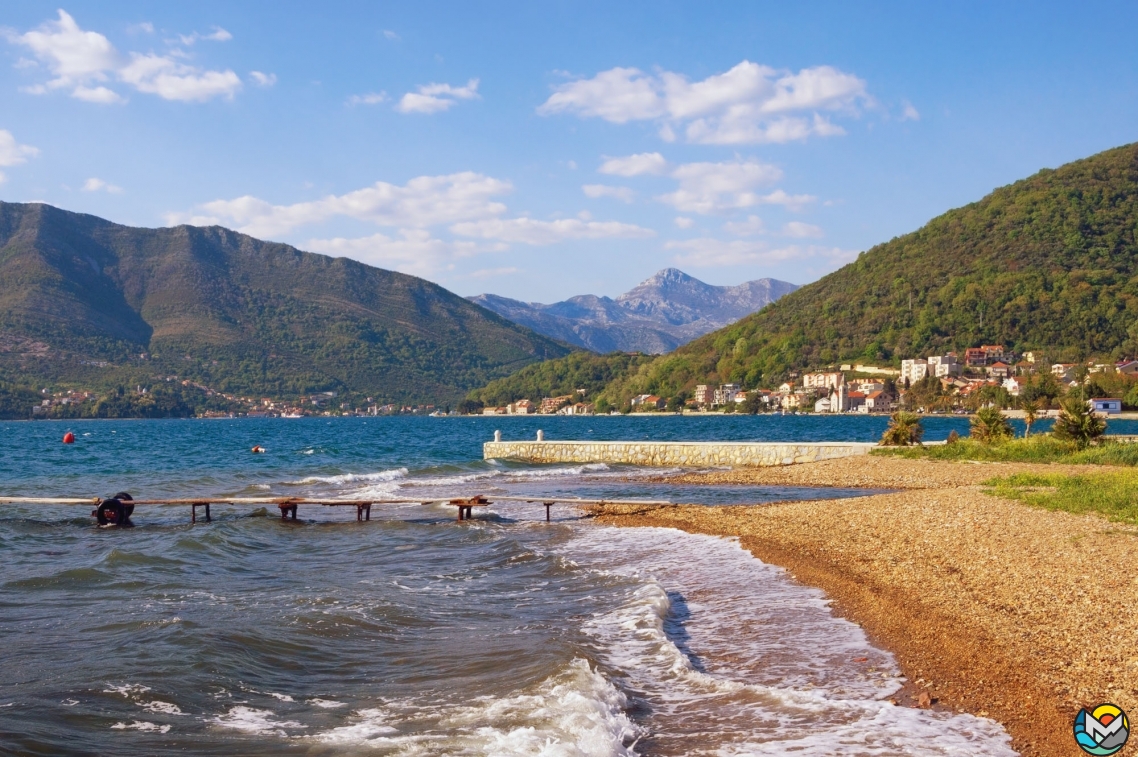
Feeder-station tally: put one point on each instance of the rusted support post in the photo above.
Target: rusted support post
(363, 512)
(194, 511)
(547, 506)
(367, 512)
(288, 509)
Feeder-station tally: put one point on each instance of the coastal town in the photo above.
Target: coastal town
(988, 375)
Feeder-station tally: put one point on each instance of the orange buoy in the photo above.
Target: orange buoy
(257, 449)
(69, 438)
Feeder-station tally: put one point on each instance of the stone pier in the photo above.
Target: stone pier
(678, 454)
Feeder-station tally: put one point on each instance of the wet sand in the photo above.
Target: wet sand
(991, 607)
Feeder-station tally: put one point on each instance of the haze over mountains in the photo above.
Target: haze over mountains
(667, 310)
(90, 302)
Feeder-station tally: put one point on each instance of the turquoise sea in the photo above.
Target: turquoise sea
(413, 634)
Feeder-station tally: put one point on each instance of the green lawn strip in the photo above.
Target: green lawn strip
(1114, 494)
(1035, 449)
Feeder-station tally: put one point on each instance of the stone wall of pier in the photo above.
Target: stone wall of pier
(678, 454)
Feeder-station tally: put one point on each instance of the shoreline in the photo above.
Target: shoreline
(990, 607)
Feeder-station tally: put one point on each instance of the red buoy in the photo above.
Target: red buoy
(69, 438)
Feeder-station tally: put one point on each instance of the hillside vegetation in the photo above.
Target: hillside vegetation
(556, 378)
(1045, 264)
(90, 303)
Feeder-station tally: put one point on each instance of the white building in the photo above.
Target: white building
(725, 394)
(823, 380)
(943, 366)
(914, 370)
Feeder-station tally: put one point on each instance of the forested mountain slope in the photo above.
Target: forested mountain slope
(235, 313)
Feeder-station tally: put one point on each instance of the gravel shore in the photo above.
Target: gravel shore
(990, 606)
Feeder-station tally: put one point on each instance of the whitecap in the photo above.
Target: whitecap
(141, 725)
(252, 720)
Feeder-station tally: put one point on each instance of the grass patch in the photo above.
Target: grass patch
(1042, 448)
(1114, 494)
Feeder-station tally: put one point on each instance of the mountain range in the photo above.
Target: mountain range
(92, 303)
(1047, 264)
(669, 309)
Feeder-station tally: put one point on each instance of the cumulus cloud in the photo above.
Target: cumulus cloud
(433, 98)
(712, 253)
(717, 187)
(262, 79)
(683, 222)
(371, 98)
(908, 112)
(635, 165)
(421, 202)
(530, 231)
(749, 104)
(217, 35)
(83, 62)
(595, 191)
(98, 185)
(753, 226)
(12, 153)
(413, 251)
(799, 230)
(390, 34)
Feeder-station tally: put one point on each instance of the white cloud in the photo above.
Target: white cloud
(753, 226)
(11, 152)
(749, 104)
(788, 201)
(97, 95)
(262, 79)
(711, 253)
(530, 231)
(98, 185)
(83, 61)
(432, 98)
(171, 80)
(683, 222)
(799, 230)
(635, 165)
(144, 27)
(390, 34)
(413, 251)
(595, 191)
(371, 98)
(217, 35)
(718, 187)
(421, 202)
(909, 113)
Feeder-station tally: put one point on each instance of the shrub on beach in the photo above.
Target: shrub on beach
(989, 426)
(1076, 423)
(904, 430)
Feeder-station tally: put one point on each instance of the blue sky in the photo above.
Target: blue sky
(542, 150)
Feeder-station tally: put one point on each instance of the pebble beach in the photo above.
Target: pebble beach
(991, 607)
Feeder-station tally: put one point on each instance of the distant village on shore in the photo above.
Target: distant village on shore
(989, 375)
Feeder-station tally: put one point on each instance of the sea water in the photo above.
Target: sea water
(413, 634)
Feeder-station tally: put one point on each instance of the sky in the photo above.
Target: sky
(544, 150)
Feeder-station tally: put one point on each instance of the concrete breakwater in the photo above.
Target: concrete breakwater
(680, 454)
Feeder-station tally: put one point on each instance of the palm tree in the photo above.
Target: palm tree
(1030, 410)
(904, 429)
(989, 426)
(1077, 423)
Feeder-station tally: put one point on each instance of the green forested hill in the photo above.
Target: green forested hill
(1049, 264)
(555, 378)
(86, 301)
